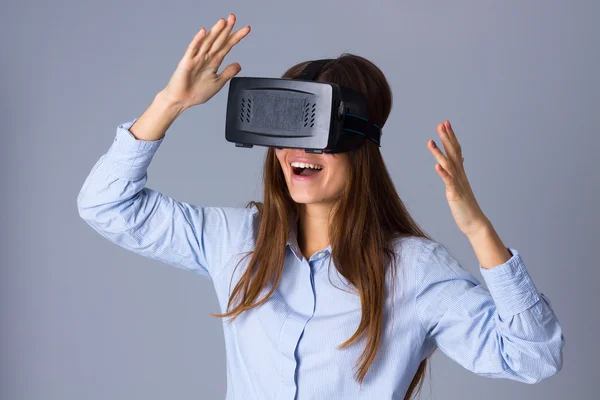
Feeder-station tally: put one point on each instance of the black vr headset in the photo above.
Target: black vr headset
(297, 113)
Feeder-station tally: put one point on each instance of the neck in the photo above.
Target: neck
(313, 229)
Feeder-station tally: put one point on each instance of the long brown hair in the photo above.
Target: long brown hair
(369, 200)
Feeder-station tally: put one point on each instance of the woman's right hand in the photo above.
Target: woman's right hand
(196, 80)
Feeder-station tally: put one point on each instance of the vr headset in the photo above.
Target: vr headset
(297, 113)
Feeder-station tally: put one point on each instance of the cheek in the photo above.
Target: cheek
(280, 157)
(338, 180)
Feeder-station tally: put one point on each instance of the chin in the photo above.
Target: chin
(305, 198)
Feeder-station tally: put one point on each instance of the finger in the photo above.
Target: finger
(233, 40)
(449, 145)
(192, 48)
(224, 34)
(452, 136)
(229, 72)
(439, 156)
(446, 177)
(211, 36)
(450, 131)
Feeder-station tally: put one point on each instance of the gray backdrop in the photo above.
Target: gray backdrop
(82, 318)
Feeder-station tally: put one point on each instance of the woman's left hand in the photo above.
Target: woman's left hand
(466, 212)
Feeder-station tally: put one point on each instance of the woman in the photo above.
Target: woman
(328, 272)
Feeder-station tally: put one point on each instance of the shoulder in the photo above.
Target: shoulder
(424, 256)
(228, 218)
(250, 217)
(413, 248)
(226, 226)
(419, 246)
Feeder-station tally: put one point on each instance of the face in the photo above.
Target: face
(311, 186)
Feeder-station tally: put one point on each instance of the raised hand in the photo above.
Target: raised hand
(196, 79)
(464, 207)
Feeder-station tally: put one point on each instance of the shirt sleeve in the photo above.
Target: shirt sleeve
(115, 202)
(509, 331)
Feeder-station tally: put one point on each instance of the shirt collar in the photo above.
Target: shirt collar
(292, 243)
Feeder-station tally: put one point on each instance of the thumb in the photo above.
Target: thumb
(229, 72)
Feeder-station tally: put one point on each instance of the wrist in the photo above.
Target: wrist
(166, 102)
(483, 228)
(154, 122)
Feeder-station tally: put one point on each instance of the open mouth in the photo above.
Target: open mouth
(301, 169)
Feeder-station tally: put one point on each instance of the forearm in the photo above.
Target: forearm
(488, 247)
(156, 120)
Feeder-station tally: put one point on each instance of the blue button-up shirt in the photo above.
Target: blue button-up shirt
(288, 347)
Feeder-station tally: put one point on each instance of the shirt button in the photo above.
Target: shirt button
(321, 255)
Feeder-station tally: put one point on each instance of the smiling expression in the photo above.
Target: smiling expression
(329, 173)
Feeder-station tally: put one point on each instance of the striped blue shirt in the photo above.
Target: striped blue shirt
(288, 347)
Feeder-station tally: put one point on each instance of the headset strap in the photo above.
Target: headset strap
(353, 123)
(360, 125)
(311, 71)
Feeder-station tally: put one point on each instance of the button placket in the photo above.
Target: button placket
(291, 333)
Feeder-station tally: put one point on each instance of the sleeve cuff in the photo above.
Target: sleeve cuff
(128, 157)
(511, 286)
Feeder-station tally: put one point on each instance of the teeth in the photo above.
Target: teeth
(305, 165)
